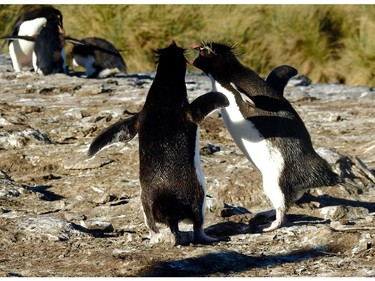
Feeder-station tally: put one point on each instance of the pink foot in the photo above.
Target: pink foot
(280, 215)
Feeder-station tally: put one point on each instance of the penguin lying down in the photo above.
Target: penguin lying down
(172, 182)
(266, 128)
(99, 58)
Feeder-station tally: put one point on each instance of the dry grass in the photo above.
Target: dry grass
(328, 43)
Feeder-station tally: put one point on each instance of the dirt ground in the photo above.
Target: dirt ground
(64, 215)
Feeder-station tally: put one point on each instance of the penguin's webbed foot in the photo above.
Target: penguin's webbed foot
(274, 225)
(266, 216)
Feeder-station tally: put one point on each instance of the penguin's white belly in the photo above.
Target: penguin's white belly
(199, 172)
(266, 157)
(21, 50)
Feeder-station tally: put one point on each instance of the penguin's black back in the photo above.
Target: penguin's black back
(167, 142)
(106, 55)
(48, 47)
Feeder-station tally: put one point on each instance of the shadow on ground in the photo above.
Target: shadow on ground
(225, 263)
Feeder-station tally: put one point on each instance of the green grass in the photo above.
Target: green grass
(327, 43)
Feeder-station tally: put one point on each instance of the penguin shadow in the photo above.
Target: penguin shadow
(43, 192)
(258, 222)
(226, 263)
(95, 232)
(327, 201)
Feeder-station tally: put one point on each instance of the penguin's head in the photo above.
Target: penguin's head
(49, 13)
(171, 59)
(213, 56)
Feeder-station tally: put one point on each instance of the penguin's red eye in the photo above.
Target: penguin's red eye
(206, 52)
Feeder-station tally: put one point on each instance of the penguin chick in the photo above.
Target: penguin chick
(30, 23)
(265, 127)
(172, 182)
(99, 57)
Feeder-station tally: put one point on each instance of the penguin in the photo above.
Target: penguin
(99, 58)
(30, 23)
(48, 56)
(265, 127)
(171, 179)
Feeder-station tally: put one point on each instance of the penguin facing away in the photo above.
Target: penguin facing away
(265, 127)
(30, 23)
(172, 182)
(99, 58)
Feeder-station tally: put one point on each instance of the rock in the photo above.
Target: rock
(52, 228)
(74, 217)
(105, 198)
(76, 163)
(366, 242)
(230, 210)
(97, 225)
(336, 213)
(8, 187)
(74, 113)
(340, 163)
(21, 139)
(209, 149)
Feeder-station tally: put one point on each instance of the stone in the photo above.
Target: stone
(336, 213)
(51, 228)
(366, 242)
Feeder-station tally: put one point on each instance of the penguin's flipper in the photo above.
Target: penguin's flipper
(19, 37)
(74, 41)
(248, 108)
(205, 104)
(279, 77)
(91, 46)
(123, 130)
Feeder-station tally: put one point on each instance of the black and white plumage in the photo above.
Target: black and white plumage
(99, 58)
(172, 182)
(265, 127)
(30, 24)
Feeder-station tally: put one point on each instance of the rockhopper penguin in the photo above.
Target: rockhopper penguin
(265, 127)
(48, 56)
(172, 182)
(99, 58)
(30, 23)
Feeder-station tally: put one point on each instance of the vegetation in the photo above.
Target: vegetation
(327, 43)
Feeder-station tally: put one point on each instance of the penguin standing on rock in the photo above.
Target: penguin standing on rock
(265, 127)
(172, 182)
(99, 57)
(30, 24)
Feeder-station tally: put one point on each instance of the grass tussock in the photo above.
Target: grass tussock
(327, 43)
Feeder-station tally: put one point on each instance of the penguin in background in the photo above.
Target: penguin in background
(99, 58)
(265, 127)
(172, 181)
(30, 24)
(48, 56)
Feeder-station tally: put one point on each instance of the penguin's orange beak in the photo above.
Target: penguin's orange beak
(61, 30)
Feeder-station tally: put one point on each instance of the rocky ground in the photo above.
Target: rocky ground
(64, 215)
